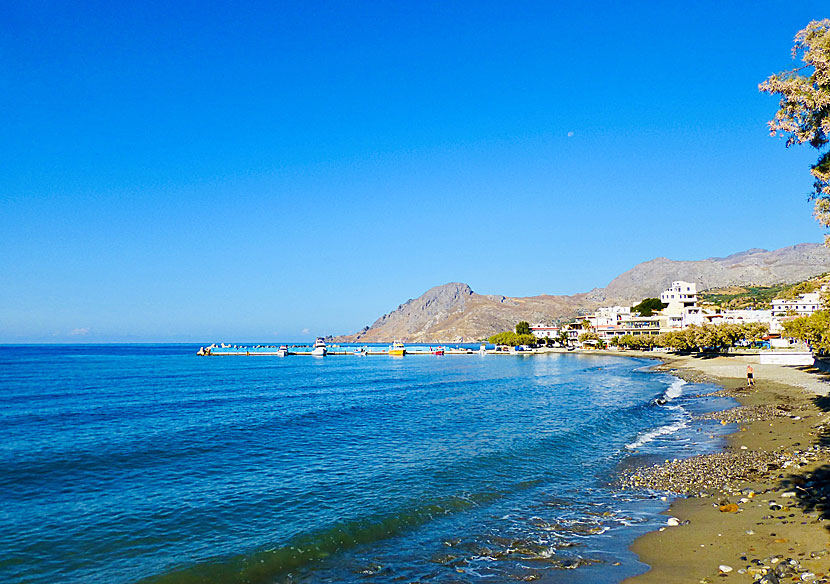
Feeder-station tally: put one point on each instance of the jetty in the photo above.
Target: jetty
(229, 350)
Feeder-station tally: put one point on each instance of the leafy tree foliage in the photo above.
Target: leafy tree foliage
(588, 336)
(523, 328)
(813, 330)
(512, 339)
(697, 338)
(804, 110)
(641, 342)
(648, 306)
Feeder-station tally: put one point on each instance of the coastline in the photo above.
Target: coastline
(740, 522)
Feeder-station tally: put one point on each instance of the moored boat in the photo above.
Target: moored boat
(397, 349)
(360, 351)
(437, 350)
(282, 351)
(319, 349)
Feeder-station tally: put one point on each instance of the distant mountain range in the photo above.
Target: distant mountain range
(453, 312)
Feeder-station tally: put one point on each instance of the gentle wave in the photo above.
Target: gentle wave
(167, 467)
(647, 437)
(673, 391)
(264, 565)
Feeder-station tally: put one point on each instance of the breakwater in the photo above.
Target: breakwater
(230, 350)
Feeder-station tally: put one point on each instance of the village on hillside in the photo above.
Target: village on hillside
(667, 323)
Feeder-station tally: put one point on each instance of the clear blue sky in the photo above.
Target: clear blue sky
(201, 171)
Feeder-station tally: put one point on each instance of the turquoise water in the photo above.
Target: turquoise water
(149, 464)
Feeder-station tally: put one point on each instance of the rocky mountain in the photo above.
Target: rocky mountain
(453, 312)
(754, 266)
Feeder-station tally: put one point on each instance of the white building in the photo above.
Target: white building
(682, 309)
(804, 305)
(680, 292)
(543, 331)
(608, 316)
(739, 316)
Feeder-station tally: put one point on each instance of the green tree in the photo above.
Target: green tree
(813, 330)
(523, 328)
(588, 336)
(512, 339)
(648, 306)
(804, 109)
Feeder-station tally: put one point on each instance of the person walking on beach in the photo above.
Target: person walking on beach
(750, 376)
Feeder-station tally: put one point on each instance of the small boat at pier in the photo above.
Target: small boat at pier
(282, 351)
(361, 351)
(319, 349)
(437, 350)
(397, 349)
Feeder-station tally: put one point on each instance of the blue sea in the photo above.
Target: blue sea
(146, 463)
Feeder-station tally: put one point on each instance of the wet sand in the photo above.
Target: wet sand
(759, 511)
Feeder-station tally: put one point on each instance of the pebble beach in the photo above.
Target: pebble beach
(760, 510)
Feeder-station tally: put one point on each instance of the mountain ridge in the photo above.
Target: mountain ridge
(453, 312)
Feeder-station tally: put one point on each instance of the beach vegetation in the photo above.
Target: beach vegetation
(712, 337)
(512, 339)
(814, 330)
(637, 342)
(588, 336)
(648, 306)
(803, 116)
(697, 338)
(523, 328)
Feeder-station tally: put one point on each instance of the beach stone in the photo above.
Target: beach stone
(673, 522)
(723, 568)
(729, 508)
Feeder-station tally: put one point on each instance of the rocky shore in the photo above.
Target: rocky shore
(760, 510)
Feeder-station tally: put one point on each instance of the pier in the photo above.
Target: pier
(338, 351)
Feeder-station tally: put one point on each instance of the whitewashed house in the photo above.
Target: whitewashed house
(804, 305)
(682, 309)
(543, 331)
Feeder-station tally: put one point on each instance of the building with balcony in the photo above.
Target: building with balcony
(804, 305)
(544, 331)
(682, 309)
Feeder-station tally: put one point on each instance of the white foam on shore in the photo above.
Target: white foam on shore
(647, 437)
(674, 390)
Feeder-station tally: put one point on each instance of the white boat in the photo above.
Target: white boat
(319, 349)
(360, 352)
(282, 351)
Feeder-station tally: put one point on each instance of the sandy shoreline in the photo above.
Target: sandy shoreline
(759, 511)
